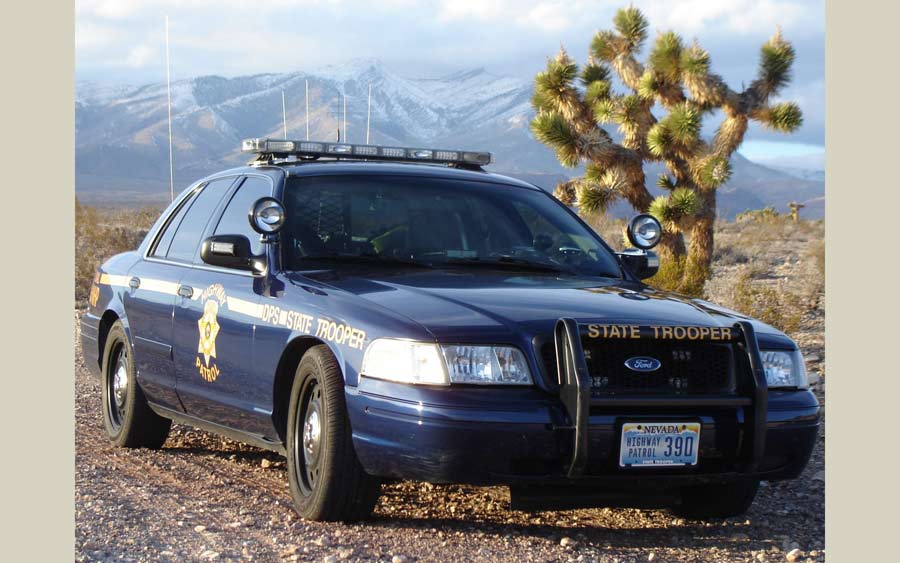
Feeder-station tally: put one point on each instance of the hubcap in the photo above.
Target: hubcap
(117, 387)
(311, 433)
(120, 383)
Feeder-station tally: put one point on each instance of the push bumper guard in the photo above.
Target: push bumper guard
(575, 394)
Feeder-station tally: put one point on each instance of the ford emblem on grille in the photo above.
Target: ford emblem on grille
(643, 364)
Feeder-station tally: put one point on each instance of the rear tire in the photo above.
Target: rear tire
(327, 481)
(129, 421)
(717, 500)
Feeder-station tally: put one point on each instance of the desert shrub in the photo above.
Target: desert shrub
(758, 215)
(728, 254)
(100, 234)
(776, 306)
(671, 277)
(816, 254)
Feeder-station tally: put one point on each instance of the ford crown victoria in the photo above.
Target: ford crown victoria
(378, 313)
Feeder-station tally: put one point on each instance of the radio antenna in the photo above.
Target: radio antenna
(284, 114)
(169, 109)
(307, 109)
(369, 113)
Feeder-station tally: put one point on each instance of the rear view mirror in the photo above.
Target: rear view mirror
(642, 263)
(227, 251)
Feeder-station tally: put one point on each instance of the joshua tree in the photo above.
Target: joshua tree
(575, 105)
(795, 210)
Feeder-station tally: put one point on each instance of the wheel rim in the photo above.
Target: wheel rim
(309, 437)
(117, 386)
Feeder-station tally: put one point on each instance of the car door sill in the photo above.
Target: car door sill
(228, 432)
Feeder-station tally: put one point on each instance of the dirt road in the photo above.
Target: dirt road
(208, 498)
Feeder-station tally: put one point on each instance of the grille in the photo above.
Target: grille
(688, 368)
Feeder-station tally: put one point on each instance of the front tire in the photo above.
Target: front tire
(717, 500)
(327, 481)
(129, 421)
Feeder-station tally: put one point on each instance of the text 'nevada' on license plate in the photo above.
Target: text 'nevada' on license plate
(651, 444)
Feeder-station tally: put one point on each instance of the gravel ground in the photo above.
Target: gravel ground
(203, 498)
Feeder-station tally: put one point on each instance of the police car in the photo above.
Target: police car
(378, 313)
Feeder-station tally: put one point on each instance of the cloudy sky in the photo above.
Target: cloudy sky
(123, 41)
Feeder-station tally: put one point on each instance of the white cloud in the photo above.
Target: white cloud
(731, 16)
(549, 16)
(143, 55)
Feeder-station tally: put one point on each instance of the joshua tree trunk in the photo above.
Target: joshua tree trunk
(671, 246)
(700, 252)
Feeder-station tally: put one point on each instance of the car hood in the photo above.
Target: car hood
(466, 305)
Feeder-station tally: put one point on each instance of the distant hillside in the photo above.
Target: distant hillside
(121, 132)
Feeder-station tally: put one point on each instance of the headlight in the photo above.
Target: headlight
(784, 369)
(487, 365)
(404, 361)
(430, 364)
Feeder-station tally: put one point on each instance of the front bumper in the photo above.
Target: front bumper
(528, 436)
(521, 436)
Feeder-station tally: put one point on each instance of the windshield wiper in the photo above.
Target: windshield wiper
(507, 263)
(366, 259)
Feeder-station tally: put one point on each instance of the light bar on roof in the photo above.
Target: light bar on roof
(316, 149)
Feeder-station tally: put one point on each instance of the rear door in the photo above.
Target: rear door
(154, 282)
(215, 327)
(149, 305)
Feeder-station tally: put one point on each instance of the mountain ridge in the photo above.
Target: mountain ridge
(122, 130)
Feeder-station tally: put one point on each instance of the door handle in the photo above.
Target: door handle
(185, 291)
(134, 282)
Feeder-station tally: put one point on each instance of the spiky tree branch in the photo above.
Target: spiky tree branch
(573, 106)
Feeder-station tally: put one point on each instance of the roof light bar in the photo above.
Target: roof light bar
(315, 149)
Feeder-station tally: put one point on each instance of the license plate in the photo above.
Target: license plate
(652, 444)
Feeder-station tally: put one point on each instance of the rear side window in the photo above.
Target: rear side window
(162, 245)
(187, 238)
(235, 220)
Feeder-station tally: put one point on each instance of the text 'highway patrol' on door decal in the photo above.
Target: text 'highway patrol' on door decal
(212, 298)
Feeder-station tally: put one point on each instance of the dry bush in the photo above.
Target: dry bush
(102, 233)
(782, 280)
(763, 215)
(776, 306)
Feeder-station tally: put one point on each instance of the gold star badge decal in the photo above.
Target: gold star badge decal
(209, 329)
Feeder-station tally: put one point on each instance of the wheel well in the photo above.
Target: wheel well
(284, 380)
(106, 322)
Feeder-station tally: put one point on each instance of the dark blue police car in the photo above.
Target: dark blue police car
(396, 313)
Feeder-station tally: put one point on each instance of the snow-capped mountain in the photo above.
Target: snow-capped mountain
(121, 131)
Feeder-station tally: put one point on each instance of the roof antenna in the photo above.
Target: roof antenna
(169, 108)
(369, 113)
(307, 109)
(284, 114)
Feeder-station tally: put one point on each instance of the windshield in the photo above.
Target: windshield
(439, 223)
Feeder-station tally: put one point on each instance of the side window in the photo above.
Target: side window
(187, 237)
(162, 244)
(234, 220)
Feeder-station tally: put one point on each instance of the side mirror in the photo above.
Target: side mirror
(227, 251)
(266, 216)
(644, 231)
(642, 263)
